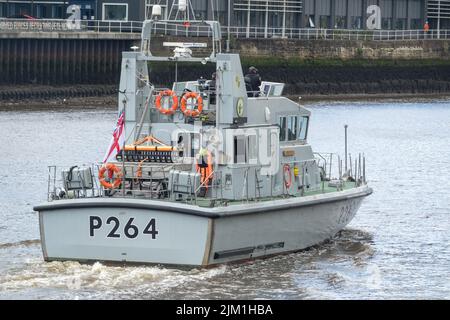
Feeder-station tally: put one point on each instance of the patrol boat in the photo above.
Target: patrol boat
(201, 173)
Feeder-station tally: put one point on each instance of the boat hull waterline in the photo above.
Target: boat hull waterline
(157, 232)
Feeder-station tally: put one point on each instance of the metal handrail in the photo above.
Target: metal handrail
(53, 190)
(338, 34)
(102, 26)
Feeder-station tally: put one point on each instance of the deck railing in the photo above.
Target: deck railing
(61, 25)
(334, 168)
(157, 184)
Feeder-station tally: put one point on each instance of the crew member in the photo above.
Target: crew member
(426, 27)
(202, 158)
(253, 82)
(202, 162)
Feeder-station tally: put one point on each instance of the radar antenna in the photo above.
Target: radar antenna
(182, 10)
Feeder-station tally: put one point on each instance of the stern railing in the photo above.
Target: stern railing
(356, 168)
(155, 183)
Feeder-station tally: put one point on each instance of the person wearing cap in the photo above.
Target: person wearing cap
(426, 28)
(253, 82)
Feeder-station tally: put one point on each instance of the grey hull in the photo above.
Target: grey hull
(157, 232)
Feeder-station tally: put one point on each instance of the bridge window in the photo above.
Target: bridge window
(303, 129)
(115, 11)
(292, 128)
(283, 125)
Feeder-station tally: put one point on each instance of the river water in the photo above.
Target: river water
(397, 247)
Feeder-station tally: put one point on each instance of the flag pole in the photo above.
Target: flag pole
(123, 148)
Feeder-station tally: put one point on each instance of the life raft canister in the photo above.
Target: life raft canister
(199, 104)
(112, 171)
(205, 169)
(167, 93)
(287, 176)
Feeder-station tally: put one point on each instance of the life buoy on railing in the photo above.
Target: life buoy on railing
(205, 169)
(198, 103)
(287, 176)
(167, 93)
(113, 173)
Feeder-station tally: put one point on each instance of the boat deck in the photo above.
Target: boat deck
(208, 203)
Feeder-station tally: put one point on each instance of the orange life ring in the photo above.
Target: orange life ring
(112, 171)
(199, 103)
(167, 93)
(288, 181)
(205, 174)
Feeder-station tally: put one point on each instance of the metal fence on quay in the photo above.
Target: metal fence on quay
(337, 34)
(54, 25)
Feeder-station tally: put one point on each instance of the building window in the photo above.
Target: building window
(18, 10)
(221, 16)
(401, 24)
(309, 21)
(58, 12)
(356, 22)
(240, 18)
(201, 15)
(386, 23)
(115, 11)
(416, 24)
(276, 11)
(303, 129)
(340, 22)
(325, 22)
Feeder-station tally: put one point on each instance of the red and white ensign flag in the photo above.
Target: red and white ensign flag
(117, 139)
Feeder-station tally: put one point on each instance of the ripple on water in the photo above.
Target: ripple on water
(99, 279)
(20, 243)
